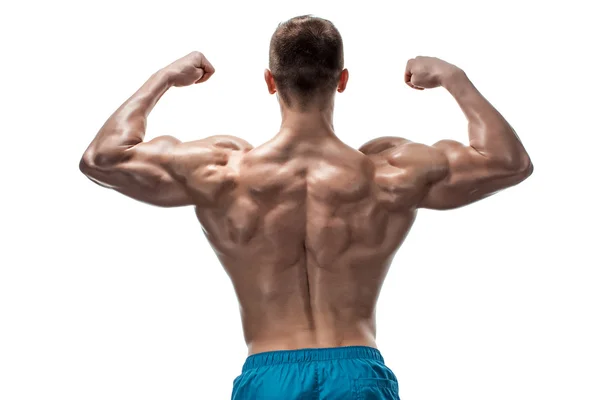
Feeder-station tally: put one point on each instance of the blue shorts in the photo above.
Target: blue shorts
(344, 373)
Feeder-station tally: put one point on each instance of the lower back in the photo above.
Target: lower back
(294, 320)
(308, 306)
(310, 339)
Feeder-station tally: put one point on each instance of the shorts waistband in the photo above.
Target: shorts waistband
(308, 355)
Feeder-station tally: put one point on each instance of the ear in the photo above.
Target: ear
(343, 80)
(270, 81)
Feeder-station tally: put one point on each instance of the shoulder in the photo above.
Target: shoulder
(397, 149)
(210, 144)
(169, 148)
(227, 142)
(215, 151)
(391, 145)
(381, 144)
(212, 149)
(417, 158)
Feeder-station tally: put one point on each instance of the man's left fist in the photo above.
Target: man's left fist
(193, 68)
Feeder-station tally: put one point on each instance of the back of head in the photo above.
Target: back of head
(306, 59)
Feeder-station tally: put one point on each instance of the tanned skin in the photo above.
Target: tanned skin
(305, 226)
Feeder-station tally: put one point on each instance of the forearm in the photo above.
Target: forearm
(126, 127)
(489, 133)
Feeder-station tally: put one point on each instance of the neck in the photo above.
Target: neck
(314, 122)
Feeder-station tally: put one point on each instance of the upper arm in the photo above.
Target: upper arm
(446, 175)
(470, 176)
(159, 171)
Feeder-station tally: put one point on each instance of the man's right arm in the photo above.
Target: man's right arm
(495, 157)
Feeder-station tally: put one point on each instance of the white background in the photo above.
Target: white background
(103, 297)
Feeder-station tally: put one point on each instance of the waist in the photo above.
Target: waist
(287, 330)
(305, 339)
(311, 355)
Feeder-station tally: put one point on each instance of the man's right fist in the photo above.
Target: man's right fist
(428, 72)
(193, 68)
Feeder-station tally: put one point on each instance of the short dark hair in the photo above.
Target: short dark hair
(306, 59)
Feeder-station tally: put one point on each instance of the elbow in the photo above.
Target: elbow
(86, 164)
(521, 167)
(94, 160)
(527, 170)
(517, 167)
(524, 168)
(515, 162)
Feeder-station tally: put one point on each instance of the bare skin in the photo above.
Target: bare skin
(306, 226)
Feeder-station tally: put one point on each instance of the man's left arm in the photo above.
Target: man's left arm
(153, 171)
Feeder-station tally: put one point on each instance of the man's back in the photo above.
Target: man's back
(307, 234)
(306, 226)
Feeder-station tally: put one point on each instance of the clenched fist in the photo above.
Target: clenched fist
(193, 68)
(429, 72)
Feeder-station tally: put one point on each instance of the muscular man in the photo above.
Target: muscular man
(306, 226)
